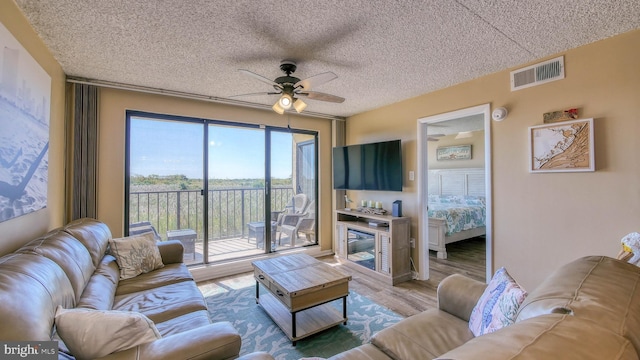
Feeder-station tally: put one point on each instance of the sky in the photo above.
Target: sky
(162, 148)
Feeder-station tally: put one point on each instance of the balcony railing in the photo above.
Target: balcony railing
(230, 209)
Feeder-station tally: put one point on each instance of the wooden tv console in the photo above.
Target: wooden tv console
(381, 250)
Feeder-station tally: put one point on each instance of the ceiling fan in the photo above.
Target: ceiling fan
(291, 88)
(434, 137)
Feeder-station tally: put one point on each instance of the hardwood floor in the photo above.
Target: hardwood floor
(411, 297)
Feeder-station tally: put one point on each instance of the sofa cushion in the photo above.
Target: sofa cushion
(601, 289)
(215, 341)
(169, 274)
(259, 355)
(68, 253)
(423, 336)
(136, 255)
(183, 323)
(163, 303)
(364, 352)
(93, 234)
(101, 288)
(552, 336)
(31, 288)
(498, 305)
(91, 334)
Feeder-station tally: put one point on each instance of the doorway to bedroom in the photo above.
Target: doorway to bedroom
(454, 165)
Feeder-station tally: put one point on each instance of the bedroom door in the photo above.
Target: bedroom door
(454, 163)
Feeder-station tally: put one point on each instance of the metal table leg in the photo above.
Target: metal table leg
(344, 309)
(293, 327)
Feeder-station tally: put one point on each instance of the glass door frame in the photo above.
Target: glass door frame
(127, 160)
(268, 211)
(268, 130)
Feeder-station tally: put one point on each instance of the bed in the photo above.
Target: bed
(456, 207)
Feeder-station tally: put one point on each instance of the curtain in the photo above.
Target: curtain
(84, 157)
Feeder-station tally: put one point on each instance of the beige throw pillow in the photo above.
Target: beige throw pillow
(91, 334)
(136, 255)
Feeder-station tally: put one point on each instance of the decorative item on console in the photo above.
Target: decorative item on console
(371, 207)
(347, 201)
(375, 211)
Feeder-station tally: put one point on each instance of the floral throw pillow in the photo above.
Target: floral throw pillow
(498, 305)
(136, 255)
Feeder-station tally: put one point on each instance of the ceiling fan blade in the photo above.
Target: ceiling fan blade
(430, 138)
(255, 94)
(259, 77)
(316, 80)
(314, 95)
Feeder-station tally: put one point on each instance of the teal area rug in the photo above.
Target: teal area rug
(260, 333)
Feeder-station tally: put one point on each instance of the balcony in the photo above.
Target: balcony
(230, 211)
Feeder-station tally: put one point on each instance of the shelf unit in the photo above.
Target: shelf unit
(387, 257)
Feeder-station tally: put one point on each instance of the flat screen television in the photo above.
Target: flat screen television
(374, 166)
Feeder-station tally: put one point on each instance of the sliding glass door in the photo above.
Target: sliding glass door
(164, 182)
(236, 206)
(293, 184)
(259, 195)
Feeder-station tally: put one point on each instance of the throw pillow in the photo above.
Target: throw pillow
(91, 334)
(136, 255)
(498, 305)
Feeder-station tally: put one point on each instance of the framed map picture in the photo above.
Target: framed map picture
(562, 147)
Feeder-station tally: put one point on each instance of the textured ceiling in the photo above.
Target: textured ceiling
(382, 51)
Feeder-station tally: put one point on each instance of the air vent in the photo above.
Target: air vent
(544, 72)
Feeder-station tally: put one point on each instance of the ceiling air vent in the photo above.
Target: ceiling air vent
(544, 72)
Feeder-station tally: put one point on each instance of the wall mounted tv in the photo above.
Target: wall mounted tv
(375, 166)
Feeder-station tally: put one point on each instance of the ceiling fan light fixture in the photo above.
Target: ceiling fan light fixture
(285, 101)
(464, 134)
(288, 87)
(299, 105)
(277, 108)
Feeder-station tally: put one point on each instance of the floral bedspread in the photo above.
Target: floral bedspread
(459, 212)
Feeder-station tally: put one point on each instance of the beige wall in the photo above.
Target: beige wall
(542, 221)
(111, 152)
(17, 231)
(477, 152)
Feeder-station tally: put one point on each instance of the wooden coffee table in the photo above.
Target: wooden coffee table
(299, 290)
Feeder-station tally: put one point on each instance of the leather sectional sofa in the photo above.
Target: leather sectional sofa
(587, 309)
(70, 267)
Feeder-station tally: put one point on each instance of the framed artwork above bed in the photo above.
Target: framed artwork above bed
(458, 152)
